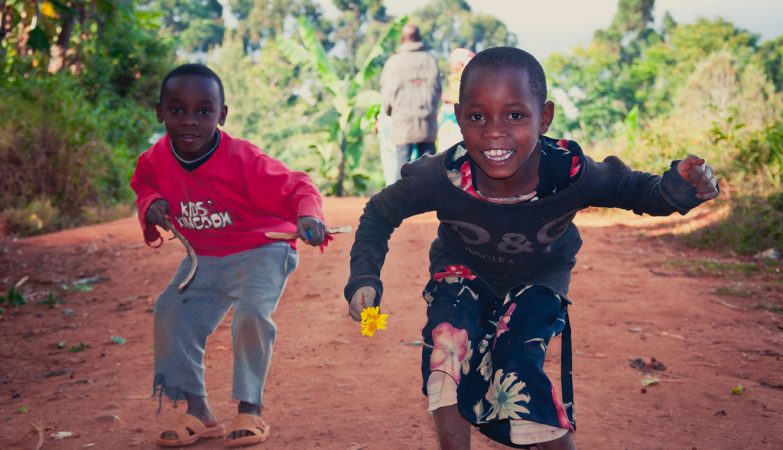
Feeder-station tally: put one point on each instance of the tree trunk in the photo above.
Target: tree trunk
(5, 20)
(338, 189)
(24, 35)
(57, 51)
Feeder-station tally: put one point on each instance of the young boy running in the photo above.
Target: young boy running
(222, 194)
(501, 263)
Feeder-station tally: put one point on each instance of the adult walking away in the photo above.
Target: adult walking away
(410, 92)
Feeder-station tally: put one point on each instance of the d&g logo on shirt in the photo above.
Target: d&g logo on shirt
(196, 216)
(508, 244)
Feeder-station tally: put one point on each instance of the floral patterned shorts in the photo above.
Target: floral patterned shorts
(494, 350)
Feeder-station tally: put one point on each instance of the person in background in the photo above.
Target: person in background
(448, 128)
(410, 93)
(387, 149)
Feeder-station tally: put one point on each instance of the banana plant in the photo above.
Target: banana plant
(351, 103)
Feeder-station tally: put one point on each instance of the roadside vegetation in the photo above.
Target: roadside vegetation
(80, 79)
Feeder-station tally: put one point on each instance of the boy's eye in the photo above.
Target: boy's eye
(475, 117)
(204, 111)
(516, 116)
(176, 109)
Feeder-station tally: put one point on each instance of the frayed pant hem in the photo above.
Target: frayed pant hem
(159, 389)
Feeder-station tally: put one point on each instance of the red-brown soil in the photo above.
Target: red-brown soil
(331, 388)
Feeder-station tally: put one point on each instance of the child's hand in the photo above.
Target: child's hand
(158, 214)
(700, 176)
(364, 297)
(311, 230)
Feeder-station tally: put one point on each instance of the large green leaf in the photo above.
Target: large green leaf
(319, 60)
(367, 99)
(369, 68)
(294, 52)
(38, 39)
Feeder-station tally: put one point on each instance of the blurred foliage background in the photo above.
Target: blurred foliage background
(79, 80)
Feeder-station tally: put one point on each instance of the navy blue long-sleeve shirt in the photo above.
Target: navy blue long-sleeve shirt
(506, 245)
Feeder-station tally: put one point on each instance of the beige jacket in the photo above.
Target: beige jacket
(410, 92)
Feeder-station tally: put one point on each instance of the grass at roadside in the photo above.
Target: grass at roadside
(755, 283)
(754, 224)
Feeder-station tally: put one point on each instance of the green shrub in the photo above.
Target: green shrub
(50, 144)
(63, 159)
(754, 224)
(35, 217)
(762, 154)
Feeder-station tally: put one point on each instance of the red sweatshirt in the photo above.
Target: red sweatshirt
(227, 204)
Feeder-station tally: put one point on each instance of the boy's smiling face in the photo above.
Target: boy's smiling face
(191, 110)
(501, 120)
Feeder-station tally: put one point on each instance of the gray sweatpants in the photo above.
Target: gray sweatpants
(252, 282)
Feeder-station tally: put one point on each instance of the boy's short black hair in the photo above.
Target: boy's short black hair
(508, 58)
(199, 70)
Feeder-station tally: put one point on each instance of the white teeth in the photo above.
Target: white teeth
(498, 155)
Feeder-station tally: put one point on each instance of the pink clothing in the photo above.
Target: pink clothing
(227, 204)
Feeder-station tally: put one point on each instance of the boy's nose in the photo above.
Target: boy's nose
(190, 119)
(495, 128)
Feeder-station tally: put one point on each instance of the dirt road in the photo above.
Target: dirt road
(331, 388)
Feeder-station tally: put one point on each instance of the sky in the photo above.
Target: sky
(546, 26)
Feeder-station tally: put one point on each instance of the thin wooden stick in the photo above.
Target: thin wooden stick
(727, 304)
(288, 236)
(39, 428)
(191, 254)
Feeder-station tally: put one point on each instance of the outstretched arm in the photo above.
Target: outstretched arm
(687, 184)
(296, 198)
(370, 246)
(385, 211)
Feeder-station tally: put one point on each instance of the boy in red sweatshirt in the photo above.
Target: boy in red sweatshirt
(223, 194)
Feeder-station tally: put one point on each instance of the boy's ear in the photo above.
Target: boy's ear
(547, 116)
(223, 114)
(458, 115)
(159, 112)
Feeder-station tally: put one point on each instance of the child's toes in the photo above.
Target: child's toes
(169, 435)
(238, 434)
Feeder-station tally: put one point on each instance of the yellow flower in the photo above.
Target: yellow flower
(372, 321)
(47, 9)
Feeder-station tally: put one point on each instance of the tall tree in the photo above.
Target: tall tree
(631, 65)
(264, 20)
(449, 24)
(350, 105)
(197, 25)
(771, 58)
(78, 81)
(357, 20)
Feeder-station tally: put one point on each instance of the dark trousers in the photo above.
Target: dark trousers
(494, 349)
(411, 152)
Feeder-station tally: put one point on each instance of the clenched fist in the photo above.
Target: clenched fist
(311, 230)
(364, 297)
(700, 176)
(158, 214)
